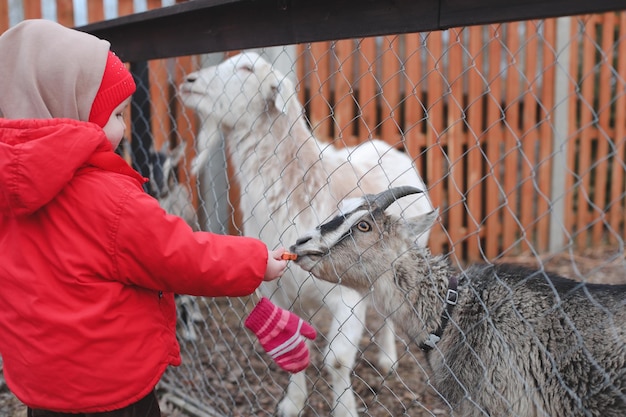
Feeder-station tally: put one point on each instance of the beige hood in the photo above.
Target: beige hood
(49, 71)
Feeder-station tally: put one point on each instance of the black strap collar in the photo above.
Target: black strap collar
(452, 297)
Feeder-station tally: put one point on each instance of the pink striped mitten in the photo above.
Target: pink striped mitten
(280, 333)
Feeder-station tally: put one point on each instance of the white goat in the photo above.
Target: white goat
(502, 340)
(288, 177)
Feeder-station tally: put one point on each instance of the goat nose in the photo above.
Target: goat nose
(302, 240)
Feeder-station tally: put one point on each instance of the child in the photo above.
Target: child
(90, 262)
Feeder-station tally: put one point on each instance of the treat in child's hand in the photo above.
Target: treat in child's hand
(288, 256)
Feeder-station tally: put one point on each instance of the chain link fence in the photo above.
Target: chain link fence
(518, 130)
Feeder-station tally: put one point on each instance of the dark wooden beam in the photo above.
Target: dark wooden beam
(475, 12)
(203, 26)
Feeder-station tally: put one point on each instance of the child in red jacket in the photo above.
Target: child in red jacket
(90, 262)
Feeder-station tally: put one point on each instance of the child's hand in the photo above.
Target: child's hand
(281, 332)
(275, 265)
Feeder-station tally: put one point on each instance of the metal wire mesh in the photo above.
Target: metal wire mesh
(519, 131)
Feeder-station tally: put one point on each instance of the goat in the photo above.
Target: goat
(173, 196)
(175, 199)
(502, 340)
(289, 177)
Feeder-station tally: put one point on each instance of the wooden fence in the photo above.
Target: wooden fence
(477, 109)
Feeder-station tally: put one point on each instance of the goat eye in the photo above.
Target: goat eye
(363, 226)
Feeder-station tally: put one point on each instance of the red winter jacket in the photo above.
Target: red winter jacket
(88, 267)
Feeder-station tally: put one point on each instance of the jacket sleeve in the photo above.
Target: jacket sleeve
(155, 250)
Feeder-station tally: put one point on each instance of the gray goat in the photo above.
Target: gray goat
(502, 340)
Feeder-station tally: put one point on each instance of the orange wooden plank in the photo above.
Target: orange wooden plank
(304, 73)
(456, 141)
(160, 96)
(343, 109)
(319, 112)
(65, 12)
(301, 72)
(414, 117)
(436, 160)
(605, 129)
(390, 81)
(511, 231)
(494, 138)
(587, 134)
(434, 82)
(125, 7)
(475, 180)
(32, 10)
(617, 210)
(160, 123)
(528, 137)
(434, 104)
(95, 10)
(154, 4)
(4, 15)
(367, 88)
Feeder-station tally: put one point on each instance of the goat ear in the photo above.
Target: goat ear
(422, 223)
(178, 152)
(173, 157)
(281, 91)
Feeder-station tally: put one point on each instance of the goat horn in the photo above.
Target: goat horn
(386, 198)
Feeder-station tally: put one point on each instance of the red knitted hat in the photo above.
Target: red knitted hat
(117, 85)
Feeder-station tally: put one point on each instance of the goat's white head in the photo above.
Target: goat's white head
(362, 241)
(237, 90)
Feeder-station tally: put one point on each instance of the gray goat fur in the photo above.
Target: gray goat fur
(519, 342)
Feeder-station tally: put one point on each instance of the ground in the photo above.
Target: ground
(226, 372)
